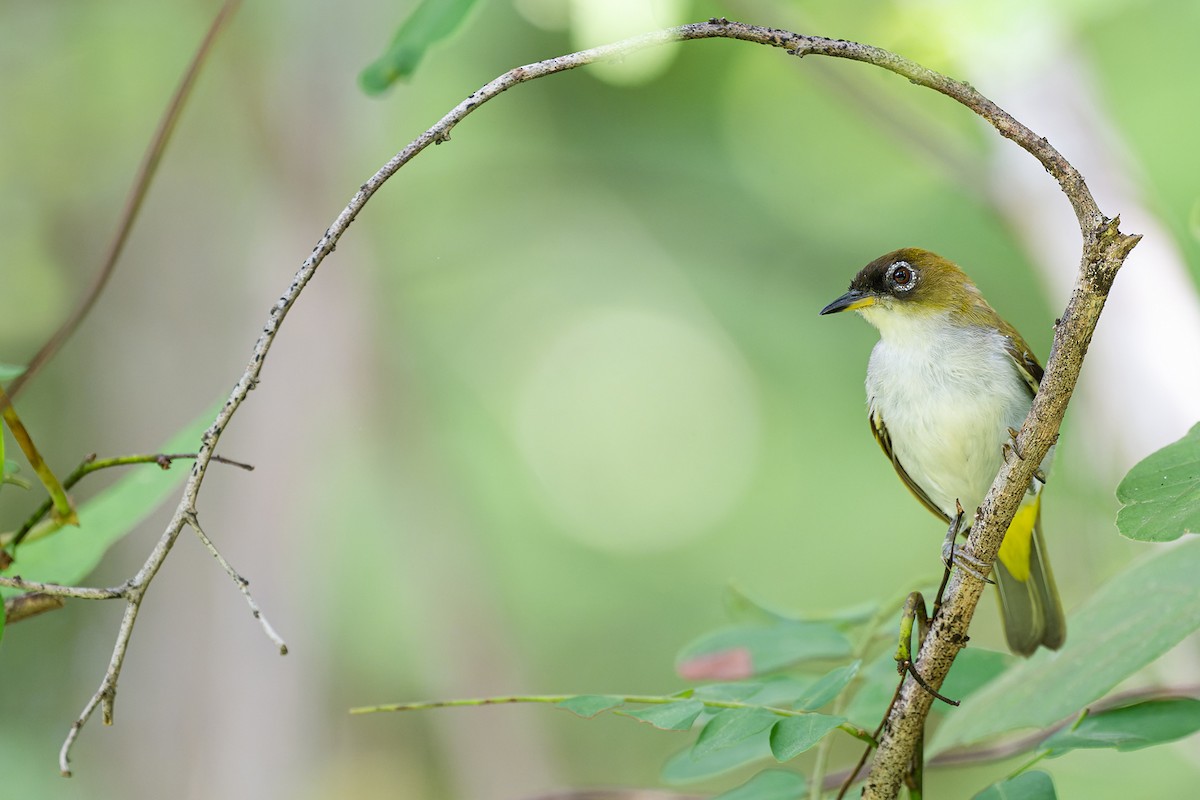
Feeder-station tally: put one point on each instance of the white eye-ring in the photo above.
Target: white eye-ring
(902, 276)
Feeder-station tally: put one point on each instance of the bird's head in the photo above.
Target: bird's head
(909, 284)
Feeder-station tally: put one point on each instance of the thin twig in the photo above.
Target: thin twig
(58, 590)
(242, 584)
(105, 696)
(133, 203)
(633, 699)
(86, 467)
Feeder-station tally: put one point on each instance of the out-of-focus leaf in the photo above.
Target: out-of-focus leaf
(876, 685)
(747, 650)
(1161, 494)
(685, 767)
(1128, 623)
(744, 608)
(827, 687)
(677, 716)
(1034, 785)
(430, 22)
(3, 619)
(589, 705)
(731, 726)
(782, 690)
(791, 736)
(973, 669)
(736, 691)
(10, 371)
(770, 784)
(1130, 727)
(70, 554)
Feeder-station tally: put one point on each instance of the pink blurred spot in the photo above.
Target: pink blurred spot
(724, 665)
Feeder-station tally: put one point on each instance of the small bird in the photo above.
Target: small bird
(947, 385)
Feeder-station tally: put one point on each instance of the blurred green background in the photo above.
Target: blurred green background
(564, 380)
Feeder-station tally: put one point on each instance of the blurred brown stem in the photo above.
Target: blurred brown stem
(133, 204)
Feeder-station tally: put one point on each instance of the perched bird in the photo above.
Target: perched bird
(947, 383)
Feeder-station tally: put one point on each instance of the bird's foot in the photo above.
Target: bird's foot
(961, 557)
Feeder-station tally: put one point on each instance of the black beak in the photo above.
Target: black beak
(849, 301)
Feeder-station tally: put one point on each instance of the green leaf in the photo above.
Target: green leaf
(1128, 623)
(3, 619)
(973, 669)
(871, 697)
(1161, 494)
(791, 736)
(781, 690)
(827, 687)
(770, 784)
(736, 691)
(742, 607)
(70, 554)
(589, 705)
(1130, 727)
(686, 767)
(431, 22)
(731, 726)
(10, 371)
(676, 716)
(747, 650)
(1034, 785)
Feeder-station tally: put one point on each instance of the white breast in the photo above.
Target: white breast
(948, 399)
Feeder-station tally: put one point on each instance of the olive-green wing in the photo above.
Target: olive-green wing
(1022, 356)
(885, 443)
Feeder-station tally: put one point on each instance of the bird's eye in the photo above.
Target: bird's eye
(902, 276)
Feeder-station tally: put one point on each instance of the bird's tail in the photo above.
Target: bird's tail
(1029, 602)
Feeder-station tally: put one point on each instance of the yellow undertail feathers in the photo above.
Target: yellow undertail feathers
(1014, 552)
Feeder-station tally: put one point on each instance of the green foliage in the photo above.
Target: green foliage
(686, 768)
(1130, 727)
(1115, 634)
(746, 650)
(827, 687)
(731, 726)
(69, 554)
(589, 705)
(792, 736)
(1026, 786)
(431, 22)
(677, 716)
(750, 721)
(770, 784)
(10, 371)
(973, 669)
(1161, 494)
